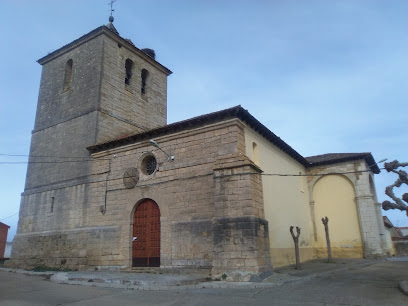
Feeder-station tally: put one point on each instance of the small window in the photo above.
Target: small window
(129, 68)
(149, 165)
(145, 75)
(68, 74)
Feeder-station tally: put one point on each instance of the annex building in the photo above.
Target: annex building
(100, 194)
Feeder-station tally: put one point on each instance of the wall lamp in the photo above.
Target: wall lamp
(156, 145)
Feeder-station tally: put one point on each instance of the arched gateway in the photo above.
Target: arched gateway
(146, 235)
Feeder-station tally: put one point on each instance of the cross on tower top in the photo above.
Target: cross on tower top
(112, 10)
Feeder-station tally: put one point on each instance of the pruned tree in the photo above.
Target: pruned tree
(326, 229)
(402, 179)
(296, 241)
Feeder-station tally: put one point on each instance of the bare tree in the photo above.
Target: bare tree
(296, 240)
(326, 229)
(402, 179)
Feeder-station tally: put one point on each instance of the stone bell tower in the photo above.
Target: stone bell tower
(97, 88)
(92, 90)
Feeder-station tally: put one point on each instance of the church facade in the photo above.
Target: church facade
(111, 185)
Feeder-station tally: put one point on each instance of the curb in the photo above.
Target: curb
(185, 284)
(152, 286)
(26, 272)
(403, 287)
(117, 282)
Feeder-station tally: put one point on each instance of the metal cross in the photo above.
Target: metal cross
(111, 5)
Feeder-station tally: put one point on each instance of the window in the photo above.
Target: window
(149, 164)
(129, 68)
(145, 75)
(68, 74)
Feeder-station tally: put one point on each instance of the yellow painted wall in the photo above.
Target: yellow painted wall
(390, 245)
(286, 199)
(334, 197)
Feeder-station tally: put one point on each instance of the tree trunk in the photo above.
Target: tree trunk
(326, 229)
(296, 241)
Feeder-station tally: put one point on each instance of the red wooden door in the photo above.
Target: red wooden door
(146, 235)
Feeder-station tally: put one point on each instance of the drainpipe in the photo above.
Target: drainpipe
(103, 207)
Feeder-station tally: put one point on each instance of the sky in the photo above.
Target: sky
(325, 76)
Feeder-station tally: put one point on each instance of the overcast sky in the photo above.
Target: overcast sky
(325, 76)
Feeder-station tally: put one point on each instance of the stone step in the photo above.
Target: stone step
(168, 270)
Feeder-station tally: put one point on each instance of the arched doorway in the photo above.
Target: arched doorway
(146, 235)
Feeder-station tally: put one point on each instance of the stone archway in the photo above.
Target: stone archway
(146, 235)
(334, 196)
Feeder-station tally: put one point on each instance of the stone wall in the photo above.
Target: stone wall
(126, 102)
(200, 214)
(240, 231)
(67, 249)
(183, 189)
(56, 209)
(66, 118)
(401, 248)
(57, 104)
(96, 106)
(50, 224)
(50, 148)
(192, 243)
(241, 248)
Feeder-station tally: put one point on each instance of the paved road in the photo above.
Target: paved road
(370, 285)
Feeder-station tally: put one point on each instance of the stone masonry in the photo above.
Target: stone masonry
(96, 106)
(211, 203)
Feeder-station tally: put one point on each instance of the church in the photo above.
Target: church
(111, 185)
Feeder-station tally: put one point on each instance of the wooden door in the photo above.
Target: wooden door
(146, 235)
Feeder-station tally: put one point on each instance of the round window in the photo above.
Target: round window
(149, 165)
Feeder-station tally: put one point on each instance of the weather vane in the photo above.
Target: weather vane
(112, 10)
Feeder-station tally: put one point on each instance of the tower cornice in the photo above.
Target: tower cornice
(103, 30)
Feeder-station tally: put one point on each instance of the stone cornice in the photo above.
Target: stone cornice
(144, 142)
(233, 161)
(103, 30)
